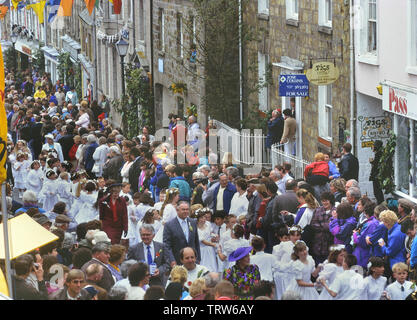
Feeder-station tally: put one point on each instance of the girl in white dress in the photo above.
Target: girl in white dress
(88, 199)
(19, 171)
(302, 267)
(282, 252)
(150, 218)
(64, 189)
(49, 192)
(146, 202)
(35, 177)
(207, 248)
(375, 283)
(330, 269)
(124, 172)
(168, 210)
(125, 192)
(231, 245)
(132, 234)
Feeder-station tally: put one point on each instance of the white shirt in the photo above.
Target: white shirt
(145, 250)
(395, 293)
(348, 285)
(83, 120)
(135, 293)
(239, 204)
(265, 262)
(373, 288)
(219, 204)
(306, 218)
(198, 272)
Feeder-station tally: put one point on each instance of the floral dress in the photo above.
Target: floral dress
(243, 282)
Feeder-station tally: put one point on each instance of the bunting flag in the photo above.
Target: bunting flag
(117, 6)
(38, 8)
(3, 11)
(54, 6)
(3, 124)
(65, 9)
(90, 5)
(21, 5)
(15, 3)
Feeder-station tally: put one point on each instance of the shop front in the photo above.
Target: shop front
(51, 62)
(401, 102)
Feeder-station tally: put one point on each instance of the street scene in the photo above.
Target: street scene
(208, 150)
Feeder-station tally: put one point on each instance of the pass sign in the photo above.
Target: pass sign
(293, 85)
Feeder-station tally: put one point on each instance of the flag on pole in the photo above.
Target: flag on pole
(90, 5)
(38, 8)
(15, 3)
(53, 10)
(117, 6)
(3, 124)
(65, 10)
(21, 5)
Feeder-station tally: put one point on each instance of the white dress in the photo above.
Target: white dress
(124, 172)
(64, 192)
(35, 180)
(329, 272)
(373, 288)
(282, 280)
(49, 194)
(208, 253)
(132, 234)
(87, 211)
(232, 245)
(302, 271)
(19, 171)
(169, 213)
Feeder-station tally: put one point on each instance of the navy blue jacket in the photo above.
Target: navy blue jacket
(88, 156)
(227, 196)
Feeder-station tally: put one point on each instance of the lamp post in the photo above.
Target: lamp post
(13, 37)
(122, 46)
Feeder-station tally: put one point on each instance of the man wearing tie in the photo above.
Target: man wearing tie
(181, 232)
(153, 254)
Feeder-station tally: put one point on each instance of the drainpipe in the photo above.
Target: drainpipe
(240, 65)
(352, 80)
(152, 53)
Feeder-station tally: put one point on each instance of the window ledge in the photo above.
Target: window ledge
(327, 141)
(368, 59)
(411, 70)
(263, 16)
(325, 29)
(292, 22)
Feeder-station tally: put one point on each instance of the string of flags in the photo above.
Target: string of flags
(123, 33)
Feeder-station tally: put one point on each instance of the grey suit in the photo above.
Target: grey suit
(161, 258)
(175, 240)
(208, 195)
(287, 202)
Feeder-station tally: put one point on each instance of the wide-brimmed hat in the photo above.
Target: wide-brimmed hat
(100, 236)
(41, 219)
(239, 253)
(49, 136)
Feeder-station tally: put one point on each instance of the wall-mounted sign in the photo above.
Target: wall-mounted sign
(293, 85)
(374, 128)
(399, 101)
(323, 73)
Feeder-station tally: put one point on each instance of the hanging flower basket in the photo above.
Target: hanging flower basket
(178, 87)
(192, 110)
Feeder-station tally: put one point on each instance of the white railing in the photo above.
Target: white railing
(247, 147)
(278, 156)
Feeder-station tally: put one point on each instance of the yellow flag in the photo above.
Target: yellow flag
(15, 3)
(38, 8)
(3, 124)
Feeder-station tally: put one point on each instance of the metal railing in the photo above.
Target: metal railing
(278, 156)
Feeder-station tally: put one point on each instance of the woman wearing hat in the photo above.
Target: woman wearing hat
(113, 214)
(242, 275)
(52, 145)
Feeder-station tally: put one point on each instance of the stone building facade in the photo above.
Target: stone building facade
(293, 35)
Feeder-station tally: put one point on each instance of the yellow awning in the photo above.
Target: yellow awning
(25, 235)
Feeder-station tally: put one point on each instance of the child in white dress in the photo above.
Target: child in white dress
(207, 247)
(35, 177)
(20, 171)
(125, 192)
(88, 199)
(64, 189)
(49, 192)
(168, 210)
(302, 267)
(330, 269)
(132, 234)
(150, 218)
(231, 245)
(375, 283)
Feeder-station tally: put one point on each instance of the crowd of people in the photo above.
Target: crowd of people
(133, 223)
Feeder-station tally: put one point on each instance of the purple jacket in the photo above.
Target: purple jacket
(342, 230)
(362, 250)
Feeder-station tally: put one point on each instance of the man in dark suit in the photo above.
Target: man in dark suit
(67, 141)
(136, 155)
(181, 232)
(101, 255)
(286, 203)
(349, 165)
(150, 251)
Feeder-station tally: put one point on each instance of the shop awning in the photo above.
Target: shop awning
(50, 52)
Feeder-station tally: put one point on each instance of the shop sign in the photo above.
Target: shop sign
(293, 85)
(27, 50)
(323, 73)
(399, 101)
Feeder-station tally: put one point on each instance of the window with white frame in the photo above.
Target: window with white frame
(263, 90)
(368, 34)
(325, 13)
(141, 34)
(325, 112)
(161, 20)
(263, 6)
(180, 37)
(291, 9)
(372, 26)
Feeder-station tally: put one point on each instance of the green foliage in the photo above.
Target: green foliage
(10, 59)
(69, 73)
(136, 107)
(386, 167)
(39, 61)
